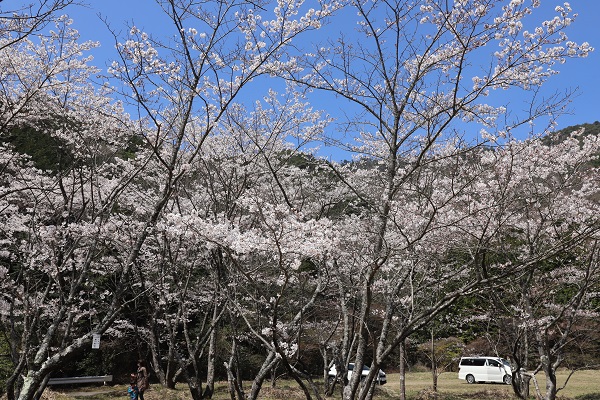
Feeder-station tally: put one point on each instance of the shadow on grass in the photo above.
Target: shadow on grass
(290, 393)
(589, 396)
(485, 395)
(429, 394)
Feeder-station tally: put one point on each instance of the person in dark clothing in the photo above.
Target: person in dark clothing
(142, 378)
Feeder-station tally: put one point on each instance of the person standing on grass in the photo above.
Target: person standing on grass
(132, 390)
(142, 378)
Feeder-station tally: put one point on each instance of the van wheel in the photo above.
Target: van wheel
(470, 379)
(507, 379)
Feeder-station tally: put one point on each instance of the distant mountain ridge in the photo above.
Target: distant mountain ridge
(590, 129)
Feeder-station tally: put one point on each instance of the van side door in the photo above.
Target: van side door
(494, 370)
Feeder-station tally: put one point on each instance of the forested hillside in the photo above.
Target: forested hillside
(174, 206)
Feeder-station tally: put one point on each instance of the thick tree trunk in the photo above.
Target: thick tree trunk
(521, 382)
(195, 387)
(154, 351)
(260, 377)
(30, 385)
(35, 376)
(551, 388)
(353, 387)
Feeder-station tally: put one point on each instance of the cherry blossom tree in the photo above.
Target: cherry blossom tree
(549, 194)
(258, 198)
(28, 19)
(55, 218)
(206, 210)
(181, 299)
(25, 90)
(210, 215)
(182, 94)
(199, 81)
(415, 73)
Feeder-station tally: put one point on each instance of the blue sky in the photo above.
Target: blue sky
(583, 74)
(580, 74)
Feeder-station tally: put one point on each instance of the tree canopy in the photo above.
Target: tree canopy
(176, 205)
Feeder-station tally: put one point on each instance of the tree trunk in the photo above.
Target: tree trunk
(353, 387)
(30, 385)
(550, 381)
(434, 374)
(40, 391)
(329, 383)
(235, 384)
(35, 376)
(195, 387)
(13, 379)
(402, 370)
(521, 384)
(260, 377)
(154, 351)
(526, 378)
(212, 351)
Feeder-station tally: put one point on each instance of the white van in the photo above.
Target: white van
(485, 369)
(381, 378)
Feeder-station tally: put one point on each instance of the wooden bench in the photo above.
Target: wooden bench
(80, 379)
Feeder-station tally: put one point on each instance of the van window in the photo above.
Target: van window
(477, 362)
(493, 363)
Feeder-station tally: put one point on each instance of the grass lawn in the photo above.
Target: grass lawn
(584, 385)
